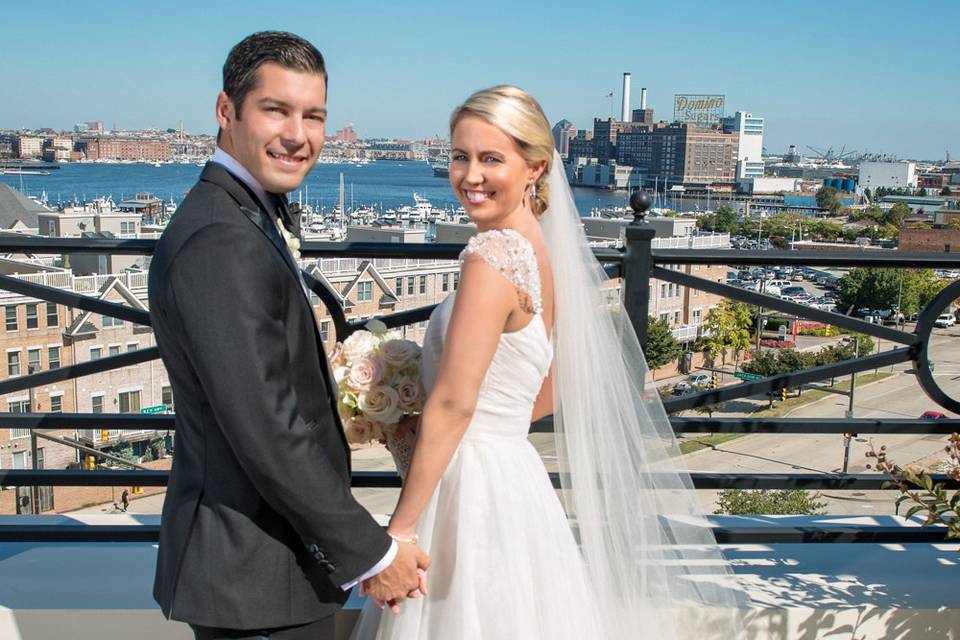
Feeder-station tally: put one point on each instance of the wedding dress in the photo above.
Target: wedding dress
(505, 563)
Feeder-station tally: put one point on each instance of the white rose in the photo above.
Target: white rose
(381, 404)
(366, 373)
(359, 344)
(411, 396)
(399, 353)
(359, 430)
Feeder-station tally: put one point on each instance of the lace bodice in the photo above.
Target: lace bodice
(513, 256)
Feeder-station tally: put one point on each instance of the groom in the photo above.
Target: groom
(260, 537)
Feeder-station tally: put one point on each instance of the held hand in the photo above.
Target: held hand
(393, 585)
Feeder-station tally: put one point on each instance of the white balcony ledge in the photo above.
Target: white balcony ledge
(797, 591)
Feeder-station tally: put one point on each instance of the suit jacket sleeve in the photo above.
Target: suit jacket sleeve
(228, 287)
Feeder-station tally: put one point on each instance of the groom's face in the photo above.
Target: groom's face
(277, 132)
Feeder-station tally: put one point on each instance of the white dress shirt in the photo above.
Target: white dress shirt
(240, 172)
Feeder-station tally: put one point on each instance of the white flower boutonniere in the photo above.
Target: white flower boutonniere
(293, 242)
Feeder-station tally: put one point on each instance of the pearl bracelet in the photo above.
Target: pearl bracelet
(405, 539)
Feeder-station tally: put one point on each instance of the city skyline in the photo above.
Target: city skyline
(828, 75)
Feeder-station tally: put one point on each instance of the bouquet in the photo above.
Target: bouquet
(379, 384)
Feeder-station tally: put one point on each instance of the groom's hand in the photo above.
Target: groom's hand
(403, 576)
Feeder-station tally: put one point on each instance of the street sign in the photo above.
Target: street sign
(160, 408)
(743, 375)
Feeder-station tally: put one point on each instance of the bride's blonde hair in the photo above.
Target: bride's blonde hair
(516, 113)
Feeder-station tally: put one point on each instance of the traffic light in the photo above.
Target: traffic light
(91, 463)
(136, 489)
(714, 381)
(783, 393)
(104, 435)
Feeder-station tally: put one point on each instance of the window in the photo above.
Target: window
(11, 318)
(132, 346)
(676, 317)
(19, 406)
(20, 459)
(33, 317)
(665, 317)
(96, 404)
(456, 280)
(33, 360)
(423, 284)
(113, 350)
(663, 291)
(130, 402)
(697, 316)
(364, 291)
(445, 282)
(128, 227)
(324, 330)
(696, 292)
(53, 357)
(96, 353)
(398, 288)
(166, 397)
(13, 363)
(410, 280)
(53, 315)
(56, 404)
(111, 322)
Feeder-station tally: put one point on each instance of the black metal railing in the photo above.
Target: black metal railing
(637, 263)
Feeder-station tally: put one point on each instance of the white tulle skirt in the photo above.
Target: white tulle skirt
(504, 560)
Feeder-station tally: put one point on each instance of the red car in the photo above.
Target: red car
(932, 415)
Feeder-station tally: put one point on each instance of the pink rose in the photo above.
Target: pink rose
(399, 353)
(365, 373)
(411, 395)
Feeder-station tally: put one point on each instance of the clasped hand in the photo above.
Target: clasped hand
(404, 578)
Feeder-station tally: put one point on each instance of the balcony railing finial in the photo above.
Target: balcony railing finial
(640, 202)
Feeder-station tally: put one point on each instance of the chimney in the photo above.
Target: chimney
(625, 112)
(643, 98)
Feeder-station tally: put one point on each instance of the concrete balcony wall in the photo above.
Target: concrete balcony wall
(57, 590)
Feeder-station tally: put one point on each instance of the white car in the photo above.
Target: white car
(944, 320)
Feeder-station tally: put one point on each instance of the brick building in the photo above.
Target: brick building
(131, 149)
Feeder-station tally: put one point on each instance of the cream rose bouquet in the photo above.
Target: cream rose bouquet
(379, 382)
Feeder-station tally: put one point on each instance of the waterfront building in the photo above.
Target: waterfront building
(128, 149)
(749, 128)
(890, 175)
(29, 147)
(402, 235)
(581, 146)
(563, 132)
(347, 134)
(682, 154)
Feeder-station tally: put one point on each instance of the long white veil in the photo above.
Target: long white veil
(654, 564)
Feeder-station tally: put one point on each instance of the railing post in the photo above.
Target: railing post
(637, 263)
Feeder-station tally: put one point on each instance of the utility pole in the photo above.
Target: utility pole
(847, 437)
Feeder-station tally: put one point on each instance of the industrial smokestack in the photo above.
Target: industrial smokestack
(625, 112)
(643, 97)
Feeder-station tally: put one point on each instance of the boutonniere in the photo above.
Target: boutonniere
(293, 242)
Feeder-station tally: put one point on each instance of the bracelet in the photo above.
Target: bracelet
(405, 539)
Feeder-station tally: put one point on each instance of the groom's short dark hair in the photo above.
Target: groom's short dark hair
(288, 50)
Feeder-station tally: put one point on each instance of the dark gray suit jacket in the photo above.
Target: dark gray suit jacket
(259, 526)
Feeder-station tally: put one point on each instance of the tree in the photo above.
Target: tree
(726, 220)
(708, 409)
(728, 325)
(945, 191)
(662, 347)
(828, 199)
(896, 214)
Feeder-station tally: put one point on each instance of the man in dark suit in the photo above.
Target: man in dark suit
(260, 537)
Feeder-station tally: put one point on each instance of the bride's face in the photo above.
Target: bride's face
(487, 172)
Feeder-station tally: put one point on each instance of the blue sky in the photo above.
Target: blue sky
(873, 75)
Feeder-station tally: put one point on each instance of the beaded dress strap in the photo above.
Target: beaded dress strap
(512, 255)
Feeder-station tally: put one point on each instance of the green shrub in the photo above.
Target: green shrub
(769, 502)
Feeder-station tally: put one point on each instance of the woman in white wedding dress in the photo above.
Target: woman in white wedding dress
(527, 334)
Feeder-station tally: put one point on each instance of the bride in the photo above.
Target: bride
(530, 333)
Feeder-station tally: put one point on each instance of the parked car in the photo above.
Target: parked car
(793, 290)
(933, 415)
(944, 320)
(698, 380)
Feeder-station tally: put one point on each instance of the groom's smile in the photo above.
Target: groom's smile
(277, 131)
